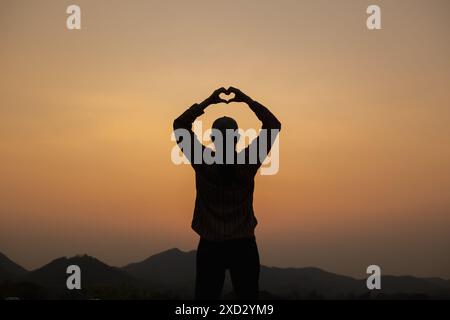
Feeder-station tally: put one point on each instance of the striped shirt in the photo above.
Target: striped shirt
(224, 200)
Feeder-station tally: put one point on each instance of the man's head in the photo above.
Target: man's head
(228, 128)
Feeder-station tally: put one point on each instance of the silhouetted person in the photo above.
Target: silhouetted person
(223, 214)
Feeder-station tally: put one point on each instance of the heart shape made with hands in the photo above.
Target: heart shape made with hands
(227, 96)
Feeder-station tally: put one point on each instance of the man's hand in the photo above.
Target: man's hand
(215, 98)
(239, 96)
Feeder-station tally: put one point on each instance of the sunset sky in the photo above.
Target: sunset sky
(86, 119)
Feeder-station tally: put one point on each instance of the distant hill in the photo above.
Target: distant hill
(175, 269)
(171, 274)
(98, 280)
(7, 266)
(94, 273)
(307, 282)
(172, 270)
(4, 275)
(434, 287)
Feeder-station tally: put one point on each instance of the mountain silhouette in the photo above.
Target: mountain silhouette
(4, 275)
(171, 274)
(408, 284)
(303, 282)
(9, 267)
(94, 273)
(175, 269)
(172, 270)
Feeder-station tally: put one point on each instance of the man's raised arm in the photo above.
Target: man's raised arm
(271, 126)
(182, 125)
(185, 120)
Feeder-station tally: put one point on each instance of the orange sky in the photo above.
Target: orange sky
(85, 124)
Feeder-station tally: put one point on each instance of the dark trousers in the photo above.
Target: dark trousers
(239, 256)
